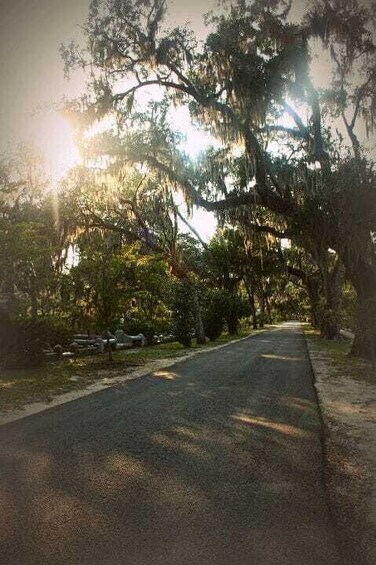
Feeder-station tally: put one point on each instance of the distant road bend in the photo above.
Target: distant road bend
(214, 461)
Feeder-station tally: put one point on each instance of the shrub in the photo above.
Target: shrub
(20, 346)
(348, 310)
(236, 308)
(215, 312)
(182, 312)
(22, 340)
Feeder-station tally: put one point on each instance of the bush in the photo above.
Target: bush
(20, 346)
(348, 311)
(182, 312)
(222, 307)
(215, 312)
(22, 340)
(236, 308)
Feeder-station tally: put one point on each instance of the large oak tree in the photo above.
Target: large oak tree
(252, 71)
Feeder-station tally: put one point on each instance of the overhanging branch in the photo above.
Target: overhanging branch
(192, 229)
(271, 230)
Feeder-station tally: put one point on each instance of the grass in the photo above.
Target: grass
(24, 386)
(336, 353)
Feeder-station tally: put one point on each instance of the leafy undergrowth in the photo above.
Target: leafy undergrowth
(24, 386)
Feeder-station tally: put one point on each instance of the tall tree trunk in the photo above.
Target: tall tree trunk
(109, 349)
(332, 286)
(313, 284)
(313, 288)
(232, 323)
(363, 277)
(268, 309)
(200, 332)
(364, 344)
(262, 310)
(251, 299)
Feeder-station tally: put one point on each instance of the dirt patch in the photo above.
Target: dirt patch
(348, 411)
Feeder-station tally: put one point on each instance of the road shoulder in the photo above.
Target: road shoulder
(347, 408)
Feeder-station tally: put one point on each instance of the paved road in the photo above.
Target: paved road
(216, 461)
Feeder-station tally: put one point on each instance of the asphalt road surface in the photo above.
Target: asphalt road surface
(214, 461)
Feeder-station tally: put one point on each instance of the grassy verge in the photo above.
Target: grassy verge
(337, 355)
(346, 394)
(21, 387)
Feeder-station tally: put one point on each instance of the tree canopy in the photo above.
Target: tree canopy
(251, 73)
(290, 179)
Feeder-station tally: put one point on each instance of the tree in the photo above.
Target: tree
(35, 236)
(228, 266)
(182, 312)
(139, 207)
(34, 241)
(253, 69)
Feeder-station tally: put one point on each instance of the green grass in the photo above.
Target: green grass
(336, 354)
(24, 386)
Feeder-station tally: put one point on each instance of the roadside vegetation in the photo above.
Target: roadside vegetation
(340, 362)
(289, 178)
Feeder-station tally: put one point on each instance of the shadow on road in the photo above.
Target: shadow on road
(216, 462)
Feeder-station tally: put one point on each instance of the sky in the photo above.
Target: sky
(32, 78)
(31, 71)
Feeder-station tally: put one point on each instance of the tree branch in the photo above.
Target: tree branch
(353, 137)
(272, 230)
(192, 229)
(168, 84)
(283, 129)
(266, 197)
(297, 119)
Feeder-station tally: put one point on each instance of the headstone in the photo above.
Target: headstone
(123, 338)
(100, 344)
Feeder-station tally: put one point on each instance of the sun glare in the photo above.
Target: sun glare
(196, 140)
(285, 121)
(54, 138)
(205, 223)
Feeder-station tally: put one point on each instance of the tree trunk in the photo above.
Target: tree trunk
(364, 346)
(200, 332)
(313, 289)
(332, 286)
(363, 278)
(109, 350)
(268, 309)
(262, 311)
(232, 324)
(251, 299)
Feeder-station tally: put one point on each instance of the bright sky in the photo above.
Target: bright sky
(31, 71)
(31, 77)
